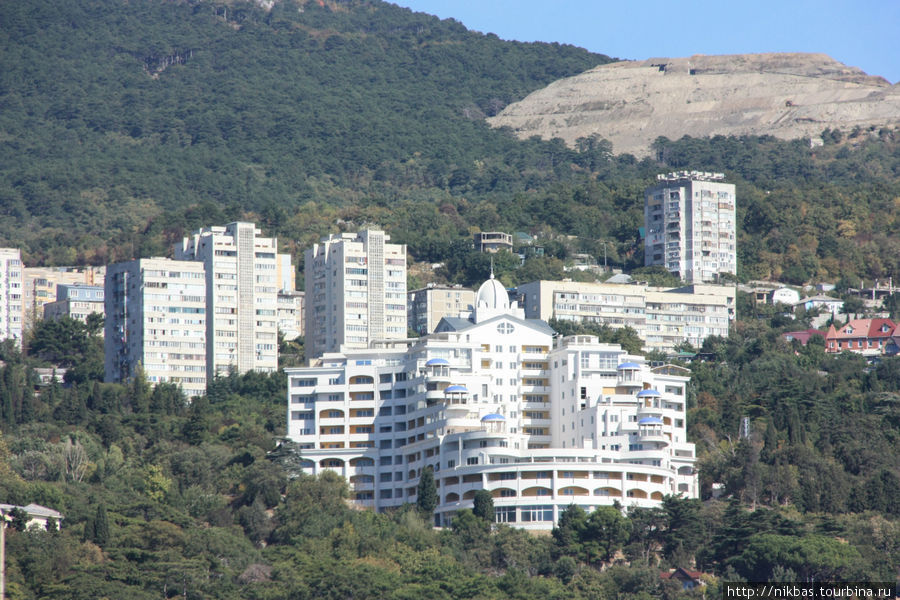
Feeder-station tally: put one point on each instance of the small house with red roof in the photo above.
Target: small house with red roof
(870, 337)
(802, 336)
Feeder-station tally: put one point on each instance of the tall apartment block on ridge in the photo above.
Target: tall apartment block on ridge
(495, 401)
(355, 292)
(690, 225)
(156, 318)
(11, 295)
(242, 282)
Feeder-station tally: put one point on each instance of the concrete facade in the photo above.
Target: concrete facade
(662, 317)
(690, 225)
(427, 306)
(11, 295)
(242, 283)
(156, 318)
(355, 292)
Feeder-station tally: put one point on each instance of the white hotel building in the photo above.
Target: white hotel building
(493, 401)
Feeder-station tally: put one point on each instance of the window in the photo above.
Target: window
(505, 514)
(537, 513)
(472, 460)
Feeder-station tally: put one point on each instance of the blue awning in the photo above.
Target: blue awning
(650, 421)
(433, 362)
(493, 417)
(458, 389)
(645, 393)
(628, 365)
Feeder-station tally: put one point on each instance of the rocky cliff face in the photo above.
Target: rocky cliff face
(632, 103)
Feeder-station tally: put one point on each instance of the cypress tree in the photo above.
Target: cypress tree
(101, 526)
(426, 494)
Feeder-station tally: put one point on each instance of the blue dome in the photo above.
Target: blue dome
(437, 361)
(646, 393)
(650, 421)
(628, 365)
(493, 417)
(456, 389)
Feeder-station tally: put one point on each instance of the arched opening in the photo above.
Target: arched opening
(537, 491)
(503, 493)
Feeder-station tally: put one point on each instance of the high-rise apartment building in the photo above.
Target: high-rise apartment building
(355, 292)
(241, 296)
(156, 318)
(494, 401)
(427, 306)
(690, 225)
(11, 295)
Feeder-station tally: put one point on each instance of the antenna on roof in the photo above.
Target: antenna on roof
(492, 267)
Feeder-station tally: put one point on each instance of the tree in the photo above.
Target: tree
(100, 526)
(605, 532)
(483, 505)
(426, 493)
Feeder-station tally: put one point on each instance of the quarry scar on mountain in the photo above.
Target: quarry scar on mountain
(631, 103)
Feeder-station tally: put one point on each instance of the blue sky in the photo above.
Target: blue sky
(861, 33)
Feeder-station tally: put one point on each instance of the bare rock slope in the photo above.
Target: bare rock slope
(632, 103)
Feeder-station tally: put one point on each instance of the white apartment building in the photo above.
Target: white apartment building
(241, 296)
(290, 314)
(662, 317)
(156, 318)
(427, 306)
(11, 295)
(41, 285)
(355, 292)
(690, 225)
(76, 301)
(492, 401)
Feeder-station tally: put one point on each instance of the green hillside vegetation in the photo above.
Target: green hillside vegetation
(125, 125)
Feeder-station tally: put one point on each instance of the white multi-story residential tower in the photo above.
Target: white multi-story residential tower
(156, 319)
(493, 401)
(241, 296)
(355, 292)
(690, 225)
(11, 290)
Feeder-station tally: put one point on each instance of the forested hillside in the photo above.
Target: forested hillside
(123, 125)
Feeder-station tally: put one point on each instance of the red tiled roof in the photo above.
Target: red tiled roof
(802, 336)
(863, 328)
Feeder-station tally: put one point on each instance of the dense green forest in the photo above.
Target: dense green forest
(166, 499)
(124, 125)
